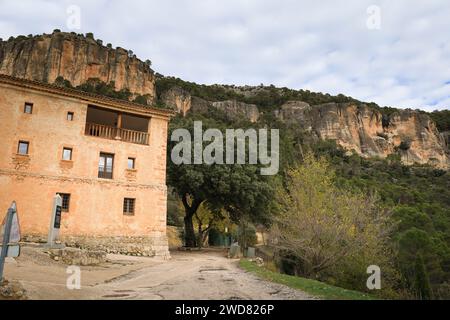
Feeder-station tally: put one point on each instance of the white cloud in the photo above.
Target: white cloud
(322, 46)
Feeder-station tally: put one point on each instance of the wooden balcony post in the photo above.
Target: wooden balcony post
(119, 126)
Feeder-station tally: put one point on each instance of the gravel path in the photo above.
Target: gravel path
(198, 276)
(188, 275)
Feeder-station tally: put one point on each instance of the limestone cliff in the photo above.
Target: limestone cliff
(446, 136)
(75, 58)
(238, 110)
(356, 127)
(177, 99)
(181, 101)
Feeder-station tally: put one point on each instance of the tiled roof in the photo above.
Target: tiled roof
(87, 96)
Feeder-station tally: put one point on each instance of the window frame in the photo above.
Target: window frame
(129, 206)
(28, 147)
(28, 104)
(133, 161)
(68, 196)
(70, 116)
(71, 153)
(104, 174)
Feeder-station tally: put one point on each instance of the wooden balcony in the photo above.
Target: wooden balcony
(113, 133)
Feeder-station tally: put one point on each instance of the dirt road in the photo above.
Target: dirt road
(188, 275)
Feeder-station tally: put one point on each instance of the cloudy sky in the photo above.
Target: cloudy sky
(395, 53)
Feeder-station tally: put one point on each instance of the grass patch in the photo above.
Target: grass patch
(312, 287)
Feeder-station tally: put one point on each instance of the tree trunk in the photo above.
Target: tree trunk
(205, 236)
(199, 234)
(189, 233)
(190, 239)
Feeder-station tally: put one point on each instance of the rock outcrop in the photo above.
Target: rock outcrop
(76, 58)
(12, 290)
(354, 126)
(411, 134)
(181, 101)
(177, 99)
(294, 112)
(238, 110)
(446, 136)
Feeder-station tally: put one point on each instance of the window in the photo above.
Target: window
(28, 108)
(128, 206)
(65, 201)
(23, 147)
(67, 154)
(70, 116)
(131, 163)
(105, 166)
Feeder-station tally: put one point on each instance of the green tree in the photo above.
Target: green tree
(409, 217)
(238, 189)
(207, 219)
(141, 100)
(323, 225)
(422, 282)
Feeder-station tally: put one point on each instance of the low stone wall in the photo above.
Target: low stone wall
(150, 246)
(79, 257)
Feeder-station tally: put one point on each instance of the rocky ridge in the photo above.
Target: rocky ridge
(355, 126)
(76, 58)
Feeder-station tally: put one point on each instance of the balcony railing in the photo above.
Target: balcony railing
(113, 133)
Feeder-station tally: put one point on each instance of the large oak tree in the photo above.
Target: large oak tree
(237, 188)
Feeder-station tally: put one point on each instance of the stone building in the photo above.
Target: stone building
(105, 157)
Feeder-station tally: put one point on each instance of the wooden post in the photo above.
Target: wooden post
(119, 121)
(119, 126)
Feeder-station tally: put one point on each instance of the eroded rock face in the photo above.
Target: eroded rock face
(76, 58)
(181, 101)
(359, 128)
(446, 136)
(199, 105)
(177, 99)
(295, 112)
(238, 110)
(356, 127)
(419, 132)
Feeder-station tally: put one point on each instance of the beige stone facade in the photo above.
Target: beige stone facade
(88, 127)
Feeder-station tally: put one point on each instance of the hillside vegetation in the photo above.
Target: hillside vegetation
(416, 198)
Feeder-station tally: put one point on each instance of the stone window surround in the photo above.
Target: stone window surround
(30, 106)
(71, 153)
(70, 116)
(134, 163)
(129, 206)
(28, 147)
(61, 152)
(66, 197)
(105, 155)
